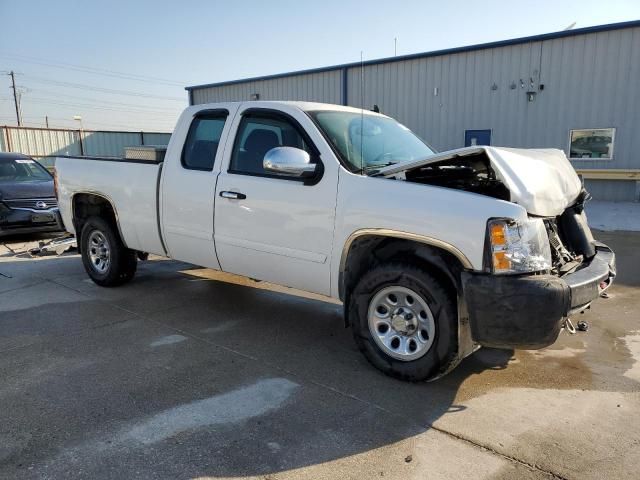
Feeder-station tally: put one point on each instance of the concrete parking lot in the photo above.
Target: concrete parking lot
(182, 375)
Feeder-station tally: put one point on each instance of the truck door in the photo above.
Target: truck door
(269, 226)
(188, 186)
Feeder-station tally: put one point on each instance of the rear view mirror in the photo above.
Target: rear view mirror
(290, 162)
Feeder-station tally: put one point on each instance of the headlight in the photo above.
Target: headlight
(519, 246)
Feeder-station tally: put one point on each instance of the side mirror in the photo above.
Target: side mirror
(290, 162)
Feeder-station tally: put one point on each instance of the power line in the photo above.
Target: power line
(107, 108)
(98, 125)
(71, 121)
(82, 86)
(106, 102)
(91, 70)
(163, 126)
(163, 117)
(95, 125)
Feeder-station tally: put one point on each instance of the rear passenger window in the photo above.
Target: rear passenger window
(202, 142)
(256, 136)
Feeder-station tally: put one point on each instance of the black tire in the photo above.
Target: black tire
(445, 343)
(122, 261)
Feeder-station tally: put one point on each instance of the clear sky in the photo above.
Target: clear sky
(124, 64)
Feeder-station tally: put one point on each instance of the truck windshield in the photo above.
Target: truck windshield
(22, 170)
(368, 142)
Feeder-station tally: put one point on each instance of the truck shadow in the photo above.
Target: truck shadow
(64, 334)
(367, 411)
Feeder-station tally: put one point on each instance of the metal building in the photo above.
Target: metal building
(577, 90)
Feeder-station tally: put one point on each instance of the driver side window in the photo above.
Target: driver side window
(257, 134)
(201, 144)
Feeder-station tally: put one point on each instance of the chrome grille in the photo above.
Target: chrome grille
(32, 203)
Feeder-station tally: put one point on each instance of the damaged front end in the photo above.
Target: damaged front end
(588, 266)
(570, 237)
(538, 271)
(540, 180)
(528, 310)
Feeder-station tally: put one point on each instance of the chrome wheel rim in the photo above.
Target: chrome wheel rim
(99, 251)
(401, 323)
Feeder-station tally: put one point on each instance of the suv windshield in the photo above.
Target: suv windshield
(22, 170)
(368, 142)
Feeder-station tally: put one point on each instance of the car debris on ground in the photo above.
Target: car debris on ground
(56, 246)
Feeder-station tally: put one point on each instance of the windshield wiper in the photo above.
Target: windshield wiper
(372, 170)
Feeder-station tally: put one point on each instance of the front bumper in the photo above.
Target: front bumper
(528, 311)
(21, 221)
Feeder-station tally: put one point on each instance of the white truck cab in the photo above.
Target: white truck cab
(433, 254)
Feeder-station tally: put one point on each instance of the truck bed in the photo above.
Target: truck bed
(131, 186)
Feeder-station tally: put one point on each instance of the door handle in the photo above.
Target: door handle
(233, 195)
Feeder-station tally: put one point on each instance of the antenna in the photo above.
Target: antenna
(361, 113)
(569, 27)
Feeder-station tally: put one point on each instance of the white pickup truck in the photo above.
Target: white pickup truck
(432, 254)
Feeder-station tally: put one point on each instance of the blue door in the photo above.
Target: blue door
(477, 137)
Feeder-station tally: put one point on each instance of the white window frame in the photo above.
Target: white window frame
(613, 144)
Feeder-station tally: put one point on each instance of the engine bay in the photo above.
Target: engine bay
(470, 173)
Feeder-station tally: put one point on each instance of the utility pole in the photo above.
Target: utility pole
(46, 120)
(15, 97)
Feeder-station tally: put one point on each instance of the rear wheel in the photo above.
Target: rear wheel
(404, 321)
(107, 261)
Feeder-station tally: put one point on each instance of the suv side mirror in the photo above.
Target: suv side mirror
(290, 162)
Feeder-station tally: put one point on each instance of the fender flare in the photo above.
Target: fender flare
(104, 197)
(385, 232)
(466, 346)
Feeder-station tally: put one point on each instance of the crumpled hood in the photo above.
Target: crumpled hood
(541, 180)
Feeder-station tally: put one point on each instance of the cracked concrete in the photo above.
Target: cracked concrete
(188, 373)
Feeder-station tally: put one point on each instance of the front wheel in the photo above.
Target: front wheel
(106, 259)
(404, 321)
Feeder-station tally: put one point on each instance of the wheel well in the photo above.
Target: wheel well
(369, 251)
(87, 205)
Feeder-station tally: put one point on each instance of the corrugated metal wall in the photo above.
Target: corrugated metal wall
(315, 87)
(612, 190)
(153, 138)
(41, 142)
(111, 145)
(588, 81)
(441, 97)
